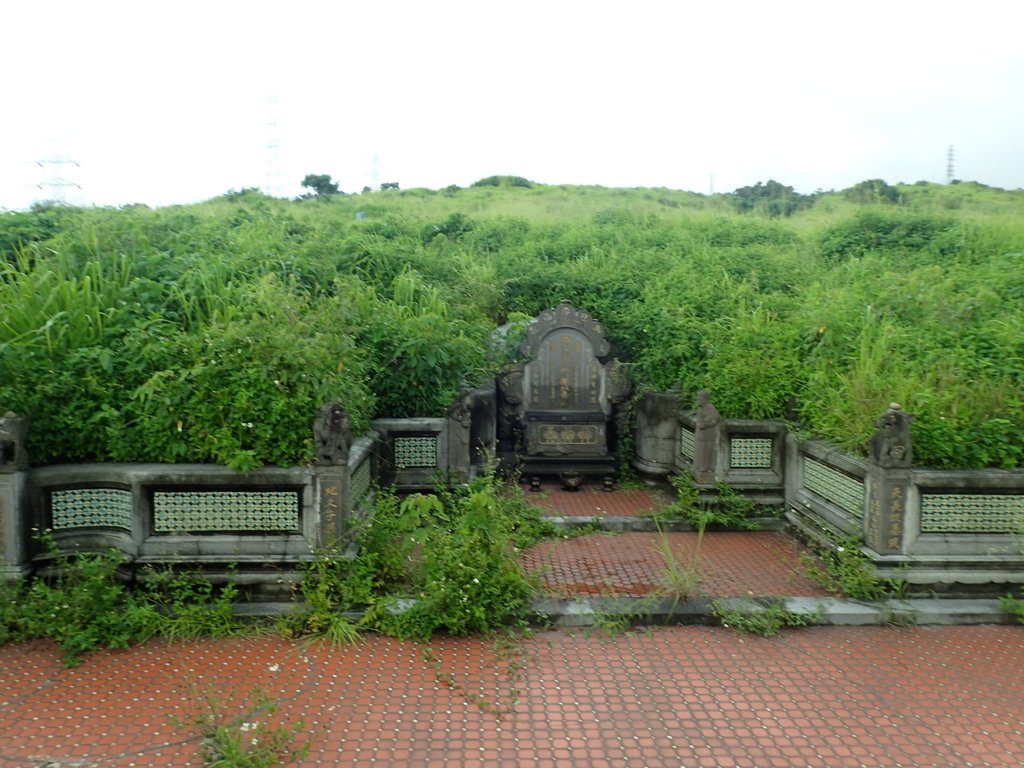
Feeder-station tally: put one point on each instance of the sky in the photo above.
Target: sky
(158, 102)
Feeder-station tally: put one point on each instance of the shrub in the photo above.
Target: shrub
(241, 392)
(86, 605)
(896, 233)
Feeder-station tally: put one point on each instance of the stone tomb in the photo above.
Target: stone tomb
(564, 400)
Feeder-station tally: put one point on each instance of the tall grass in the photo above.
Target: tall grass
(842, 308)
(53, 301)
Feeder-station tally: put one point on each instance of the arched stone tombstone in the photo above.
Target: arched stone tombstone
(564, 400)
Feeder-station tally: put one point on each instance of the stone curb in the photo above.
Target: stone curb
(591, 611)
(641, 611)
(644, 524)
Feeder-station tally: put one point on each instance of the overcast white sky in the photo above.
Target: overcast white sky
(165, 102)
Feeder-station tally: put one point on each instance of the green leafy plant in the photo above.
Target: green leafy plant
(188, 605)
(1014, 606)
(467, 578)
(679, 580)
(846, 570)
(330, 584)
(85, 605)
(728, 509)
(765, 619)
(246, 738)
(429, 562)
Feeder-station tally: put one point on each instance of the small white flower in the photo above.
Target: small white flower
(839, 549)
(246, 727)
(273, 667)
(476, 580)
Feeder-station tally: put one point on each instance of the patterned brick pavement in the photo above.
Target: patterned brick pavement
(671, 696)
(731, 563)
(591, 501)
(686, 696)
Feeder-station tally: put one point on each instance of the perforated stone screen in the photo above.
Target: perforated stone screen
(750, 453)
(234, 511)
(416, 451)
(360, 483)
(845, 492)
(91, 508)
(971, 513)
(687, 446)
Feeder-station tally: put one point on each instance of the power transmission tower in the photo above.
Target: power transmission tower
(55, 183)
(949, 165)
(273, 148)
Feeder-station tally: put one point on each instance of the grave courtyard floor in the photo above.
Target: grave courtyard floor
(654, 696)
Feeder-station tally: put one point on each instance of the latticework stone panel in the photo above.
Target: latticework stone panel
(416, 452)
(971, 513)
(91, 508)
(845, 492)
(750, 453)
(240, 511)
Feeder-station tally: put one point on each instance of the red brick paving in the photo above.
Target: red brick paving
(687, 696)
(671, 696)
(592, 501)
(731, 563)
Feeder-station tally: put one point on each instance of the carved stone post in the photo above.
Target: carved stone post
(887, 492)
(13, 474)
(333, 440)
(888, 482)
(460, 420)
(333, 502)
(707, 440)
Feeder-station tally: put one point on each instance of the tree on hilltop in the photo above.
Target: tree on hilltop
(321, 184)
(772, 199)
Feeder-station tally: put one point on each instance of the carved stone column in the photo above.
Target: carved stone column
(889, 483)
(14, 556)
(333, 503)
(333, 441)
(707, 440)
(887, 491)
(657, 434)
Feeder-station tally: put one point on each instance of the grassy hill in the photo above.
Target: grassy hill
(211, 332)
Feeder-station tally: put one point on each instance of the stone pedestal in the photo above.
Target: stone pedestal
(657, 434)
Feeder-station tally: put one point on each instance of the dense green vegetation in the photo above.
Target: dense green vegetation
(212, 332)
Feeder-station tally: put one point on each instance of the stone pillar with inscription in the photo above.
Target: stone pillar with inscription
(333, 441)
(460, 421)
(887, 492)
(889, 482)
(14, 558)
(332, 500)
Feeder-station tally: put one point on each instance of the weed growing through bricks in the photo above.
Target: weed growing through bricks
(245, 736)
(765, 619)
(848, 571)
